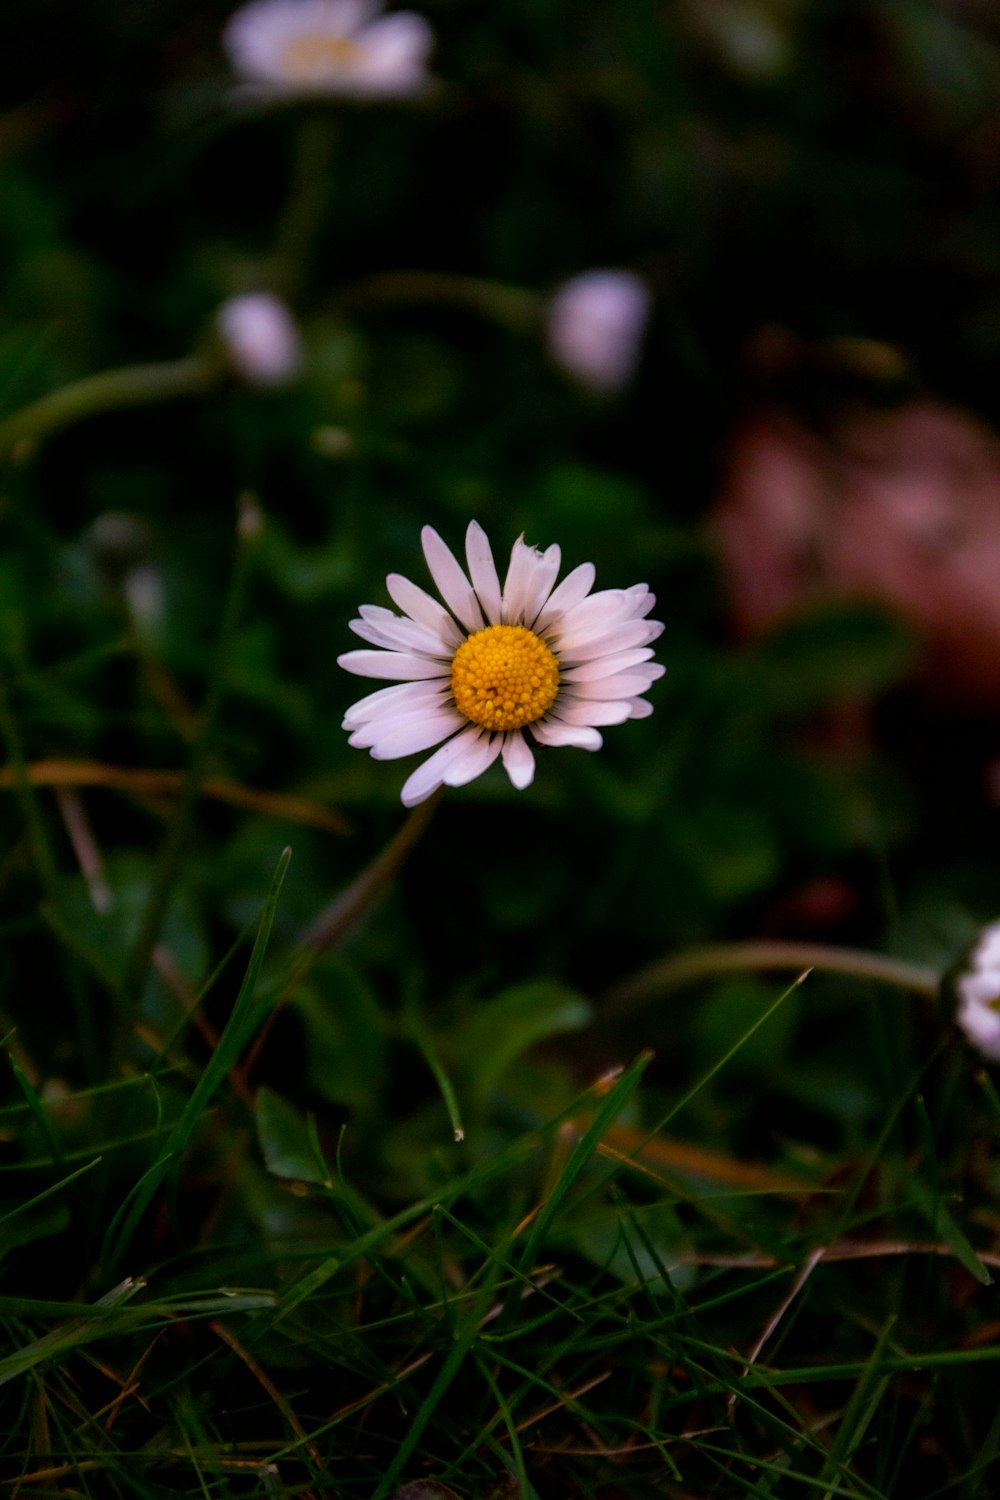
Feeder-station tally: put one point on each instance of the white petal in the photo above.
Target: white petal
(574, 588)
(261, 338)
(454, 587)
(594, 614)
(623, 685)
(551, 732)
(474, 760)
(518, 760)
(593, 713)
(618, 638)
(383, 628)
(640, 708)
(978, 989)
(402, 697)
(394, 55)
(258, 35)
(595, 326)
(517, 584)
(428, 777)
(606, 666)
(987, 950)
(482, 570)
(541, 586)
(370, 735)
(420, 606)
(420, 734)
(981, 1025)
(396, 665)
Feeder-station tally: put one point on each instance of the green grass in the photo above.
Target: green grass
(548, 1316)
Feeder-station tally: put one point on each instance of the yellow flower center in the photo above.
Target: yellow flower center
(504, 677)
(311, 58)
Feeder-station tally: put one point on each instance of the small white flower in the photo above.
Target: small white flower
(555, 661)
(261, 338)
(342, 48)
(977, 989)
(595, 325)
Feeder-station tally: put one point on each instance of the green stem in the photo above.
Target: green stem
(415, 1028)
(110, 390)
(510, 306)
(306, 204)
(678, 970)
(175, 842)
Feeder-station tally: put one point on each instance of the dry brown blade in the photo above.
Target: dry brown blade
(627, 1144)
(843, 1250)
(85, 846)
(159, 783)
(268, 1385)
(41, 1439)
(128, 1385)
(805, 1272)
(539, 1416)
(182, 992)
(363, 1402)
(57, 1471)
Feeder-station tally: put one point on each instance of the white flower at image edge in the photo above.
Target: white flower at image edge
(977, 990)
(344, 48)
(493, 669)
(594, 327)
(260, 338)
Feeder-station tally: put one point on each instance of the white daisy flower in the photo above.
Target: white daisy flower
(343, 48)
(977, 989)
(499, 668)
(594, 328)
(260, 338)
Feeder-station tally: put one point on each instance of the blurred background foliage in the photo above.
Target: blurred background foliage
(809, 192)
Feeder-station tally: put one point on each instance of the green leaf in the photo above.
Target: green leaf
(345, 1049)
(502, 1029)
(284, 1140)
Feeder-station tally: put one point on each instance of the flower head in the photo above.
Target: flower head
(594, 328)
(260, 338)
(493, 669)
(977, 989)
(342, 48)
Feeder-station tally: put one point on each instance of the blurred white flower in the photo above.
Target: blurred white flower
(343, 48)
(977, 989)
(553, 661)
(261, 338)
(594, 327)
(121, 549)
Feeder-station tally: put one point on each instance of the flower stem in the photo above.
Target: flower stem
(680, 969)
(109, 390)
(336, 919)
(332, 923)
(510, 306)
(306, 204)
